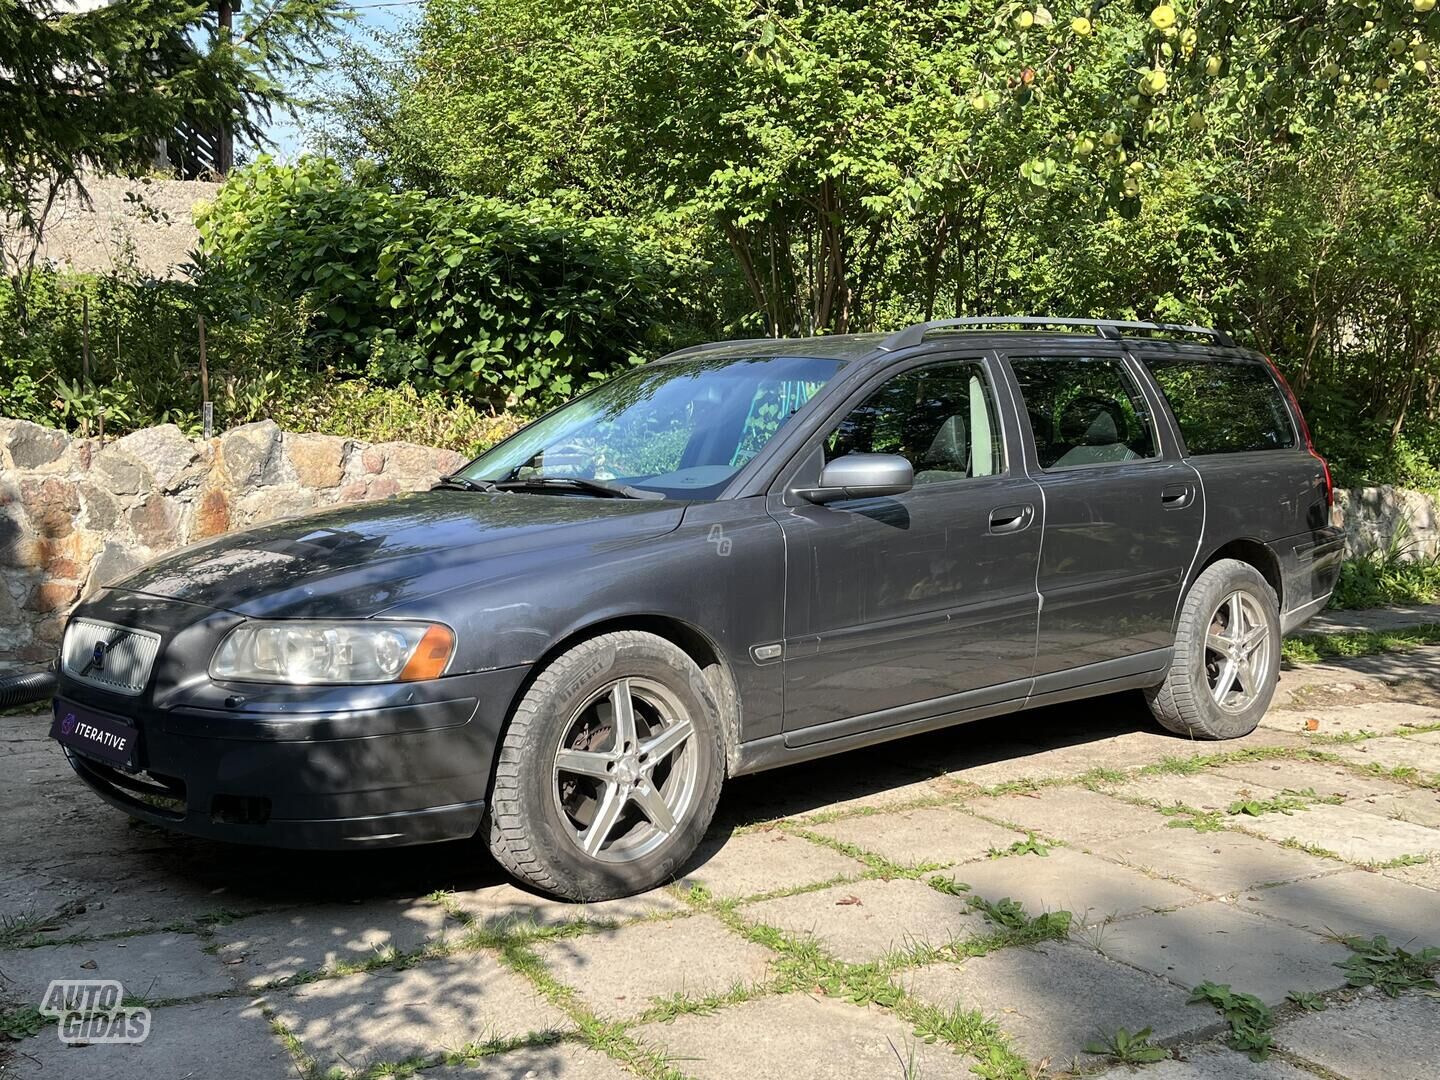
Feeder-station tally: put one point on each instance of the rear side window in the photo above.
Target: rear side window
(1224, 406)
(1084, 410)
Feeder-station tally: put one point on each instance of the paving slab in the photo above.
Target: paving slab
(278, 945)
(1209, 789)
(1420, 807)
(498, 905)
(224, 1037)
(1379, 717)
(1075, 815)
(1216, 863)
(1089, 887)
(1321, 777)
(1398, 1039)
(1426, 875)
(357, 1021)
(563, 1061)
(937, 834)
(1418, 752)
(1393, 617)
(1211, 1062)
(797, 1037)
(750, 864)
(1355, 902)
(1218, 942)
(620, 973)
(153, 967)
(864, 920)
(1352, 834)
(1054, 998)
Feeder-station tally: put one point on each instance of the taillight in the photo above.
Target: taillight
(1305, 431)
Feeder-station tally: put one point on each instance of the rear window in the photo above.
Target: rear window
(1224, 406)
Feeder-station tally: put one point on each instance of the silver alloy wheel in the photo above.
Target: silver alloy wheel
(1237, 651)
(626, 774)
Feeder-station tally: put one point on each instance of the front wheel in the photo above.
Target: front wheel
(609, 771)
(1227, 655)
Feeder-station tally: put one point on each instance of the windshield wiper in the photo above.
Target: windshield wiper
(462, 483)
(579, 483)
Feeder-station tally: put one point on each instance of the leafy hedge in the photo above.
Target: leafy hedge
(465, 294)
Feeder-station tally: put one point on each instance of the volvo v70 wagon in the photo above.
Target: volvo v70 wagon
(740, 556)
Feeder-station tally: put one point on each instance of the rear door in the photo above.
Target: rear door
(1123, 513)
(904, 607)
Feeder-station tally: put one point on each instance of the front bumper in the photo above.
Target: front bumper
(312, 774)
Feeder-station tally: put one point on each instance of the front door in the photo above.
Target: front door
(898, 607)
(1123, 513)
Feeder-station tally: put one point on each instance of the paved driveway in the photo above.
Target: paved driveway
(987, 900)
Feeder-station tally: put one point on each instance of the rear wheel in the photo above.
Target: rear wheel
(1227, 655)
(610, 770)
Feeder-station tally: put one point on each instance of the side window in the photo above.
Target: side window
(1084, 410)
(941, 418)
(1224, 406)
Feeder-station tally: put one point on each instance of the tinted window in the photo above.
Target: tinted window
(1084, 410)
(941, 418)
(1224, 406)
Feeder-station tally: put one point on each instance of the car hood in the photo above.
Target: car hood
(359, 560)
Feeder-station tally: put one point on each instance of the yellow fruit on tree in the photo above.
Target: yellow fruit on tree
(1153, 82)
(1188, 40)
(1331, 70)
(1196, 122)
(1422, 66)
(1213, 66)
(1163, 17)
(1399, 47)
(1422, 6)
(979, 103)
(1085, 147)
(1110, 138)
(1421, 51)
(1081, 26)
(1025, 20)
(1381, 83)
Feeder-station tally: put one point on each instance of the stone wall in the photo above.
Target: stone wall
(1377, 517)
(75, 516)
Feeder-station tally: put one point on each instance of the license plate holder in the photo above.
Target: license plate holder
(96, 734)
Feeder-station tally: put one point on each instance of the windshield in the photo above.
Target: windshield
(681, 429)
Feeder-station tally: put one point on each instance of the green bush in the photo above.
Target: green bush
(466, 294)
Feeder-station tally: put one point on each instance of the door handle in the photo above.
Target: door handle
(1011, 519)
(1177, 496)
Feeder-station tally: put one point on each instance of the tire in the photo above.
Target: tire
(542, 816)
(1188, 701)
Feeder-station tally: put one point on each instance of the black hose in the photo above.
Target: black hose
(32, 686)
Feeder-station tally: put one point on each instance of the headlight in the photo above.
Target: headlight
(306, 652)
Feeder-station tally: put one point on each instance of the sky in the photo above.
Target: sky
(371, 16)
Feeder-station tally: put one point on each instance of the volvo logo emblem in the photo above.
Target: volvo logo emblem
(97, 658)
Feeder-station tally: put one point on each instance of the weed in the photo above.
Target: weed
(1029, 846)
(1306, 1000)
(1388, 968)
(1018, 926)
(947, 885)
(1312, 648)
(1284, 803)
(1127, 1048)
(1187, 817)
(21, 1022)
(1250, 1019)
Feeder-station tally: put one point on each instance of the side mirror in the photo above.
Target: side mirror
(861, 476)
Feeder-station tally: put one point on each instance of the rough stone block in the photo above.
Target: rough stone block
(761, 862)
(620, 973)
(248, 453)
(937, 835)
(32, 446)
(156, 522)
(165, 451)
(1215, 941)
(1055, 997)
(798, 1037)
(864, 920)
(387, 1015)
(318, 460)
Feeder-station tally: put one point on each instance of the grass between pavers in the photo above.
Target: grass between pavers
(1311, 648)
(804, 965)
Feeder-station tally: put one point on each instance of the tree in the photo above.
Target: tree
(94, 91)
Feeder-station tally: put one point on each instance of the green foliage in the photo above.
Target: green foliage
(1029, 846)
(1127, 1048)
(1387, 576)
(21, 1022)
(1250, 1019)
(467, 294)
(359, 409)
(1307, 1001)
(1286, 802)
(1312, 648)
(1388, 968)
(1010, 916)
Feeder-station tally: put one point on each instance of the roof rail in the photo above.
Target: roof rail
(1110, 329)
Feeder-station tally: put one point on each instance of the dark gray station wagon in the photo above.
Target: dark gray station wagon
(741, 556)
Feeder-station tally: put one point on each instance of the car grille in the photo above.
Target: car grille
(115, 658)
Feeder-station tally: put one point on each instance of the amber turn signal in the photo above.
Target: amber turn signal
(430, 656)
